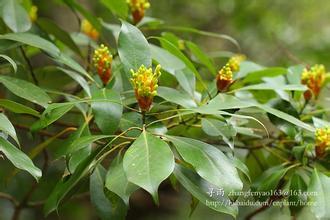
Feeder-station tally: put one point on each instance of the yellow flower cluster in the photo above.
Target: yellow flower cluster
(102, 61)
(314, 79)
(235, 61)
(33, 13)
(137, 5)
(138, 8)
(225, 74)
(88, 29)
(322, 136)
(145, 84)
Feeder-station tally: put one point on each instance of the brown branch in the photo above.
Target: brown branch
(9, 198)
(41, 132)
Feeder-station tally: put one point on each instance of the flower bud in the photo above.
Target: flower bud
(224, 78)
(88, 29)
(314, 79)
(145, 84)
(138, 8)
(102, 61)
(225, 75)
(322, 143)
(33, 13)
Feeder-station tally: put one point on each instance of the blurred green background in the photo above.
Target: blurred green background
(271, 33)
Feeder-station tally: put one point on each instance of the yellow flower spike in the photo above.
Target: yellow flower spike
(322, 136)
(235, 61)
(138, 8)
(225, 75)
(102, 61)
(314, 79)
(88, 29)
(33, 13)
(145, 84)
(224, 78)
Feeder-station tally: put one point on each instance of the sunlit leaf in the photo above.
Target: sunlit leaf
(25, 90)
(7, 127)
(19, 159)
(133, 48)
(148, 162)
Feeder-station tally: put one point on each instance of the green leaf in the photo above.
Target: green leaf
(241, 166)
(209, 162)
(187, 80)
(177, 97)
(118, 7)
(98, 198)
(7, 127)
(268, 72)
(169, 62)
(214, 127)
(25, 90)
(286, 117)
(105, 207)
(79, 79)
(147, 162)
(189, 73)
(108, 109)
(63, 149)
(204, 33)
(10, 60)
(15, 16)
(176, 67)
(133, 48)
(117, 182)
(201, 189)
(84, 141)
(42, 44)
(18, 108)
(52, 113)
(19, 159)
(202, 57)
(62, 58)
(223, 101)
(297, 184)
(34, 41)
(247, 67)
(131, 119)
(268, 86)
(319, 123)
(63, 187)
(294, 74)
(319, 190)
(269, 180)
(52, 28)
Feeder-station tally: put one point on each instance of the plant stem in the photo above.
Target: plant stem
(34, 78)
(143, 113)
